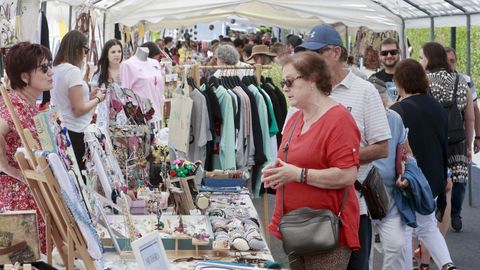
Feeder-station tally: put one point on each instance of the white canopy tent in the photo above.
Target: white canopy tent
(300, 14)
(375, 14)
(297, 14)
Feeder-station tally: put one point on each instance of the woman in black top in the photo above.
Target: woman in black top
(427, 123)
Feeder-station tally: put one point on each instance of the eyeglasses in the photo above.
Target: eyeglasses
(289, 82)
(391, 52)
(86, 49)
(46, 66)
(325, 49)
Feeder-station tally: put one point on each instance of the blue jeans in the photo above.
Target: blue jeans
(458, 195)
(359, 259)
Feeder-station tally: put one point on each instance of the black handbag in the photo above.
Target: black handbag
(308, 231)
(375, 194)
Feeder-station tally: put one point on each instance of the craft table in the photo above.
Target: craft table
(180, 261)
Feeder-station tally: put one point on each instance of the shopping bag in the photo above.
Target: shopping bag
(179, 123)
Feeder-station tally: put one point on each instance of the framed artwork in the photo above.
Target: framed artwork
(19, 237)
(150, 253)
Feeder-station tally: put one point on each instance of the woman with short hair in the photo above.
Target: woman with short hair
(425, 125)
(29, 69)
(322, 158)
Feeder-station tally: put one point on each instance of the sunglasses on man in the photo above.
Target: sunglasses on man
(391, 52)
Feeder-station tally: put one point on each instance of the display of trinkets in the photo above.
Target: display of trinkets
(234, 225)
(183, 168)
(183, 227)
(160, 164)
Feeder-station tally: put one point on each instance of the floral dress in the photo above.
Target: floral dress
(15, 195)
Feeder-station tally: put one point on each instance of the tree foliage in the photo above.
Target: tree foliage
(418, 37)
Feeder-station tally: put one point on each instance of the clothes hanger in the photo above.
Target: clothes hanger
(213, 82)
(204, 79)
(228, 82)
(191, 82)
(231, 79)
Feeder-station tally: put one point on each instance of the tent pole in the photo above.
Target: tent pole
(453, 37)
(403, 40)
(432, 29)
(469, 59)
(70, 11)
(43, 8)
(116, 3)
(104, 24)
(347, 45)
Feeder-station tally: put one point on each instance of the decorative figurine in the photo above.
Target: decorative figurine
(180, 228)
(160, 224)
(202, 235)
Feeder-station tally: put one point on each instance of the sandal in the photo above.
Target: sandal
(424, 266)
(450, 266)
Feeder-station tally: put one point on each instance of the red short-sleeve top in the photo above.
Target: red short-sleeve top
(331, 141)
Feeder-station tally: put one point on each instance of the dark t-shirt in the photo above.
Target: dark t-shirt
(388, 79)
(384, 76)
(427, 123)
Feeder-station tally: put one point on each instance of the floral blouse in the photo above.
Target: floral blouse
(15, 195)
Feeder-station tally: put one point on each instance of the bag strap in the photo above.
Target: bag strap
(457, 76)
(285, 150)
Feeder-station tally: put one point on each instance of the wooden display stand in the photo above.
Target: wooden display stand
(184, 201)
(60, 224)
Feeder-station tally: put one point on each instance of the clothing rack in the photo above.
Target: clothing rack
(61, 226)
(195, 71)
(257, 68)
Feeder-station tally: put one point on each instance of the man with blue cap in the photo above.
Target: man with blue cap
(363, 101)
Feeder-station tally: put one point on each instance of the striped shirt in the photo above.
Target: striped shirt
(362, 99)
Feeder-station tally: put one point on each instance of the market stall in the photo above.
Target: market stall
(132, 193)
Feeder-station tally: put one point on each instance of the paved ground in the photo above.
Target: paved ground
(464, 247)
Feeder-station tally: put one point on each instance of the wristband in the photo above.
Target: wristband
(477, 137)
(99, 100)
(302, 175)
(305, 175)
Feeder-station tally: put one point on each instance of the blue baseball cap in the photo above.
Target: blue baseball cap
(319, 37)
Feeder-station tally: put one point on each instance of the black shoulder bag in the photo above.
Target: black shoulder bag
(307, 231)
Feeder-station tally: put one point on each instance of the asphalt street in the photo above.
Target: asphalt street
(464, 246)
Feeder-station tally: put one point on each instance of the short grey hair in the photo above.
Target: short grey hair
(227, 54)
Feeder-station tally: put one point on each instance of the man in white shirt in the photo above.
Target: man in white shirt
(363, 101)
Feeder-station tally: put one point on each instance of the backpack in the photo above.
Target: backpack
(456, 129)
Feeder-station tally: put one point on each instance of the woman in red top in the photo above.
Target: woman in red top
(29, 69)
(325, 147)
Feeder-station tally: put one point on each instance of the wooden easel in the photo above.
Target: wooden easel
(60, 224)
